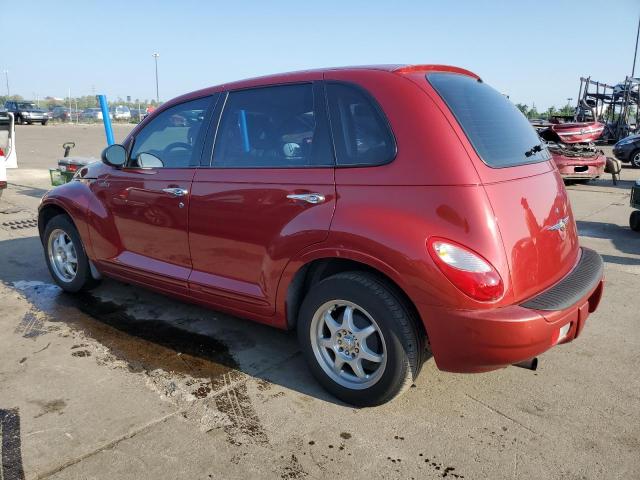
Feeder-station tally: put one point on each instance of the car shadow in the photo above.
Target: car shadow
(624, 239)
(621, 260)
(149, 331)
(600, 182)
(33, 192)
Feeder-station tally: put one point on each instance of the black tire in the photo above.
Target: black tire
(634, 159)
(634, 221)
(29, 122)
(83, 279)
(403, 341)
(20, 120)
(44, 122)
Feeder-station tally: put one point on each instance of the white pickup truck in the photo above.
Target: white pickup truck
(8, 158)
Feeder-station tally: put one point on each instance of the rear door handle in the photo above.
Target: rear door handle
(313, 198)
(176, 192)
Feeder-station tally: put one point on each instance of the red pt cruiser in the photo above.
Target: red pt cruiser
(387, 213)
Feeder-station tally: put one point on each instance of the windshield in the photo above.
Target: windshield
(27, 106)
(498, 131)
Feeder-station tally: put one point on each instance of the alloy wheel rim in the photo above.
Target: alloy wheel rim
(636, 160)
(62, 256)
(348, 344)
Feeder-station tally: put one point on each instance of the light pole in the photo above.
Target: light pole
(6, 76)
(155, 57)
(635, 52)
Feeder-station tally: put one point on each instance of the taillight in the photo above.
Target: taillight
(1, 153)
(467, 270)
(72, 168)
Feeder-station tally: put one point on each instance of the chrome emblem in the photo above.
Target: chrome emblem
(560, 227)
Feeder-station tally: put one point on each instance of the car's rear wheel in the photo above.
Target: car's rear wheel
(359, 338)
(635, 159)
(634, 221)
(65, 255)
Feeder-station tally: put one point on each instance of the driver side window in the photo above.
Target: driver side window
(172, 137)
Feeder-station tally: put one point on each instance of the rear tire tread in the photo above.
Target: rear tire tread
(410, 335)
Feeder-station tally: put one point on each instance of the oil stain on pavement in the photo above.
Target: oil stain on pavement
(10, 449)
(194, 370)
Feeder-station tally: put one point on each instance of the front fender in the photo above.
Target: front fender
(74, 199)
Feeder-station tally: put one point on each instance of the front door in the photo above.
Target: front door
(144, 231)
(268, 193)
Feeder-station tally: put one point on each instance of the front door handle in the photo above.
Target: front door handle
(176, 192)
(313, 198)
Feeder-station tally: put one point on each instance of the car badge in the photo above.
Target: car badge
(560, 227)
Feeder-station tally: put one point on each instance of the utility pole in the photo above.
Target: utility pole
(635, 52)
(155, 57)
(6, 76)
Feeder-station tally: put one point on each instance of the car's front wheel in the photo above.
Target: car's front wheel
(65, 255)
(359, 338)
(635, 159)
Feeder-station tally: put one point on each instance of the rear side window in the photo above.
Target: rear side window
(361, 133)
(500, 134)
(272, 127)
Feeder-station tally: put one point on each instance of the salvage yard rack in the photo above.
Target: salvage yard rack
(615, 106)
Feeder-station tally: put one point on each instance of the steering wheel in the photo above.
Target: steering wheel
(176, 145)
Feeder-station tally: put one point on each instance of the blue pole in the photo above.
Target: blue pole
(105, 119)
(245, 132)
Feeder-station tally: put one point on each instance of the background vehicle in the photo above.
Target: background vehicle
(634, 219)
(94, 114)
(64, 114)
(68, 165)
(26, 112)
(316, 200)
(7, 147)
(138, 114)
(627, 150)
(120, 112)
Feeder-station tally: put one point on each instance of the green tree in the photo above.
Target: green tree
(524, 108)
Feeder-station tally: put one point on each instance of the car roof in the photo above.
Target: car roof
(307, 75)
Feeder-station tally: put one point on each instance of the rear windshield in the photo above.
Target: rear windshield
(500, 134)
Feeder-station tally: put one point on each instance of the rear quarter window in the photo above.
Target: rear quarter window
(361, 132)
(498, 131)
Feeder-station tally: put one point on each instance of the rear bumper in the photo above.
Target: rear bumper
(576, 168)
(482, 340)
(39, 118)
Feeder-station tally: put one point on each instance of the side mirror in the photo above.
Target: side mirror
(149, 160)
(114, 155)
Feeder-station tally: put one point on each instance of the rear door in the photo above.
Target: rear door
(267, 193)
(526, 192)
(144, 230)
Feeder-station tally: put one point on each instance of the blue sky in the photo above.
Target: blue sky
(534, 51)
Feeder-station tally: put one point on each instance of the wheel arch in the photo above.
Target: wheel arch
(312, 271)
(46, 213)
